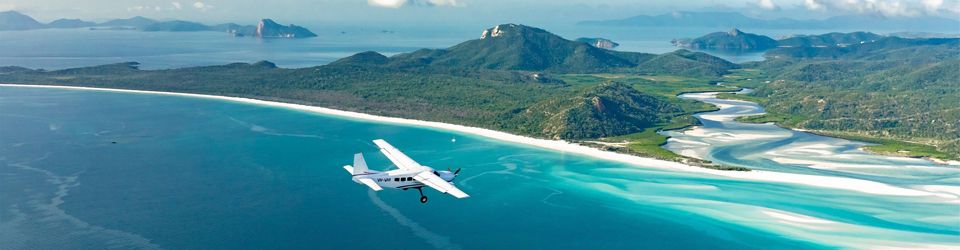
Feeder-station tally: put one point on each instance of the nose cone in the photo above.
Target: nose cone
(446, 175)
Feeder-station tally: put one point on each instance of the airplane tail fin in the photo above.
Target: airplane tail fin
(359, 165)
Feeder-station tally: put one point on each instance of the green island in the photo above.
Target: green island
(527, 81)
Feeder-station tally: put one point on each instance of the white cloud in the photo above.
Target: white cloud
(813, 4)
(176, 5)
(881, 7)
(767, 4)
(932, 6)
(387, 3)
(400, 3)
(202, 6)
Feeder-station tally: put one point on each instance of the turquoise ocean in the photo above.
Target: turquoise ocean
(86, 169)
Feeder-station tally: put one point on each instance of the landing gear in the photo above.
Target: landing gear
(423, 198)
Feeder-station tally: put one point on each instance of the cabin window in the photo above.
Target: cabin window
(396, 179)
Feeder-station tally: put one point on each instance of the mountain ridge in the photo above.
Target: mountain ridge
(520, 47)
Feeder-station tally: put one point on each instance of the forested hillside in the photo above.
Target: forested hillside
(524, 48)
(904, 89)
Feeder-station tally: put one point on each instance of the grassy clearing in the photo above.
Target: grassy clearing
(745, 78)
(646, 143)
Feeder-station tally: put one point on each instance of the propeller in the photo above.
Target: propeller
(454, 172)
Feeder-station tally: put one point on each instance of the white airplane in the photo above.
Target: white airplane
(409, 174)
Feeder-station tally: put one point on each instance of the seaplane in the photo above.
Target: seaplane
(409, 174)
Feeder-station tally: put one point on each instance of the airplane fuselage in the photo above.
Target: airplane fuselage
(399, 179)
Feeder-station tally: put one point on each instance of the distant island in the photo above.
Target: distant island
(734, 19)
(266, 28)
(602, 43)
(918, 34)
(731, 40)
(736, 40)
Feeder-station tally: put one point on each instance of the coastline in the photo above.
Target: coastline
(833, 182)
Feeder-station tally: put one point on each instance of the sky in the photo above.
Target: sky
(453, 12)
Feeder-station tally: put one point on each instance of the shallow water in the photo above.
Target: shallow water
(769, 147)
(195, 173)
(772, 148)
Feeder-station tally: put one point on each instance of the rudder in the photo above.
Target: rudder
(359, 165)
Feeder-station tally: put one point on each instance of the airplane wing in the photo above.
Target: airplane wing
(398, 158)
(370, 183)
(434, 181)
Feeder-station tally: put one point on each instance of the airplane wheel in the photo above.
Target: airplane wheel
(423, 199)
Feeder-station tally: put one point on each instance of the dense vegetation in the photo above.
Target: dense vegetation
(885, 49)
(607, 109)
(894, 88)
